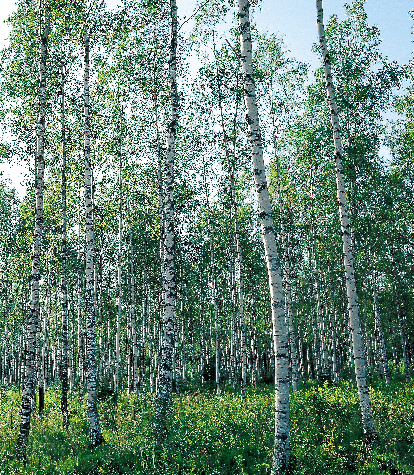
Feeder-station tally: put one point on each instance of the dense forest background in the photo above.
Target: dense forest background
(168, 154)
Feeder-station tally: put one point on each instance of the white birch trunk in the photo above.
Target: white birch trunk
(63, 285)
(239, 282)
(29, 395)
(118, 315)
(134, 326)
(280, 331)
(288, 287)
(164, 393)
(380, 347)
(353, 307)
(96, 437)
(79, 356)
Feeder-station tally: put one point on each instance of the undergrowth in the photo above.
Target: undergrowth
(213, 434)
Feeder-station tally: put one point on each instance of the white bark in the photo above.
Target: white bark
(118, 315)
(280, 331)
(380, 348)
(96, 437)
(29, 395)
(134, 326)
(164, 393)
(64, 288)
(353, 307)
(288, 286)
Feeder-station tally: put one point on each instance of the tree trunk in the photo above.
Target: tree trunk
(217, 326)
(353, 307)
(280, 332)
(400, 316)
(381, 351)
(239, 279)
(164, 393)
(136, 379)
(96, 437)
(288, 286)
(64, 289)
(118, 315)
(80, 340)
(29, 396)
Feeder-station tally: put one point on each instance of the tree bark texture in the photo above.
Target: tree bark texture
(63, 284)
(118, 315)
(29, 395)
(380, 348)
(96, 437)
(164, 393)
(280, 331)
(294, 360)
(353, 307)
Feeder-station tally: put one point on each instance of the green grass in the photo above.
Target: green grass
(219, 434)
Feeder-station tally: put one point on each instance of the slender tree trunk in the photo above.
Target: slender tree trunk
(334, 334)
(379, 332)
(79, 356)
(164, 393)
(64, 289)
(280, 331)
(202, 338)
(216, 318)
(96, 437)
(401, 327)
(288, 286)
(40, 369)
(239, 280)
(353, 307)
(134, 326)
(118, 315)
(29, 395)
(232, 368)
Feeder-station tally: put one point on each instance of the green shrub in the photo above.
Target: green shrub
(212, 434)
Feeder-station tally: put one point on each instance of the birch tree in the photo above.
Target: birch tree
(280, 331)
(353, 307)
(96, 437)
(29, 395)
(64, 288)
(164, 394)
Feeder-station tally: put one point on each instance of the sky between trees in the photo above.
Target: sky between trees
(295, 21)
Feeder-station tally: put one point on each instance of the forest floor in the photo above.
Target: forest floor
(213, 434)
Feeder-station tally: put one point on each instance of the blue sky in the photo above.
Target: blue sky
(295, 20)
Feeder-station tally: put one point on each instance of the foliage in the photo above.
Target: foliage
(219, 434)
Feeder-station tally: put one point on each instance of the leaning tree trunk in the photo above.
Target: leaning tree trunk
(63, 285)
(353, 307)
(96, 437)
(280, 331)
(29, 395)
(164, 393)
